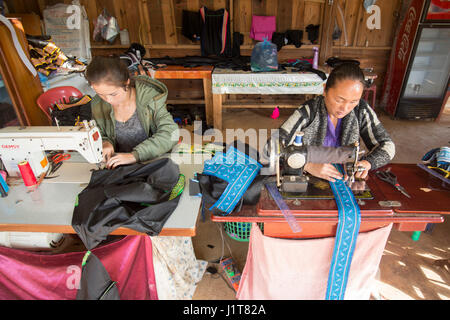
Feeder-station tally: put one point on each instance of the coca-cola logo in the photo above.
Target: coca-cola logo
(404, 44)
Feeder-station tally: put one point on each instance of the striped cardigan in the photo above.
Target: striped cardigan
(311, 118)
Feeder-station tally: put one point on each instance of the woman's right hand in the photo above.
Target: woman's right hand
(323, 170)
(108, 150)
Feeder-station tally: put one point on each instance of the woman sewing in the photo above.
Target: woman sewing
(130, 112)
(339, 118)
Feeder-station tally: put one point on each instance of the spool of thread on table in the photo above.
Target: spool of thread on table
(29, 179)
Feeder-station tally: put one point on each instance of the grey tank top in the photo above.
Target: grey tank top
(129, 134)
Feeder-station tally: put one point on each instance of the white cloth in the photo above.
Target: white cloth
(177, 271)
(283, 82)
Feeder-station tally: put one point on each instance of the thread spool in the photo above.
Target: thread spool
(298, 141)
(29, 179)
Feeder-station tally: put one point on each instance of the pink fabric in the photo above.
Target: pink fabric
(298, 269)
(36, 276)
(263, 27)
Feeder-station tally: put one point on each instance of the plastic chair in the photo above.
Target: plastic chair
(56, 95)
(373, 89)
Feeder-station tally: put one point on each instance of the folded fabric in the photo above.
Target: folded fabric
(263, 27)
(236, 168)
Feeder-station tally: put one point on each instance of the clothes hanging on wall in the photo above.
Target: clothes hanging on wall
(263, 27)
(313, 32)
(191, 25)
(215, 37)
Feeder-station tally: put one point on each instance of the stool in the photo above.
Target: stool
(373, 89)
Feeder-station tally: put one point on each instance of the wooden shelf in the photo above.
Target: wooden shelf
(188, 46)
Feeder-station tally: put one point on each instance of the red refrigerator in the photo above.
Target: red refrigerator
(417, 77)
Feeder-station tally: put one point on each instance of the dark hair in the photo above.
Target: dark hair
(345, 71)
(111, 70)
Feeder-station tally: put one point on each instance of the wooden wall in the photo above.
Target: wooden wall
(157, 25)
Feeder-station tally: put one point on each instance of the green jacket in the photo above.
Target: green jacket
(151, 98)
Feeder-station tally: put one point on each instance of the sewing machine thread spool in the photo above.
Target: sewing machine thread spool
(29, 179)
(298, 141)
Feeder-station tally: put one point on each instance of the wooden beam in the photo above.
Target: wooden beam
(325, 39)
(169, 22)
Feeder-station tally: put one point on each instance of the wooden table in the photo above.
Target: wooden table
(227, 81)
(201, 72)
(319, 218)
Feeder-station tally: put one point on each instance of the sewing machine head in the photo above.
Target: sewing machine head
(288, 161)
(30, 143)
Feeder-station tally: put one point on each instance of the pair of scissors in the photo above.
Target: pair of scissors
(391, 178)
(59, 157)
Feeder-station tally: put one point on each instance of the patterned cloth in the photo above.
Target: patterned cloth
(238, 170)
(177, 271)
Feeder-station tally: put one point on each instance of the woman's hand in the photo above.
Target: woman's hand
(108, 150)
(323, 170)
(120, 159)
(367, 166)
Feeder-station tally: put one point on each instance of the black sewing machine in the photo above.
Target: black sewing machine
(287, 163)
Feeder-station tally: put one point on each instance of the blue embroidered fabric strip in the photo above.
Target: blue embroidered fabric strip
(346, 236)
(236, 168)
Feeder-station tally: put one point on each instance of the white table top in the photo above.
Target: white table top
(227, 81)
(50, 207)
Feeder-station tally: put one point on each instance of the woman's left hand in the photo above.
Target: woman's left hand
(367, 166)
(120, 159)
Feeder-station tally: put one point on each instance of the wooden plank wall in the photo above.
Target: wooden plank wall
(157, 25)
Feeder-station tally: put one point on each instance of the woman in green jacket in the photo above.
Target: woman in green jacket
(130, 112)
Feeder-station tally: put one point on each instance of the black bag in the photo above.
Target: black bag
(68, 114)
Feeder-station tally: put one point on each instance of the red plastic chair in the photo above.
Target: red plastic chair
(56, 95)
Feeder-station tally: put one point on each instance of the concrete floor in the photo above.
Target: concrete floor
(408, 270)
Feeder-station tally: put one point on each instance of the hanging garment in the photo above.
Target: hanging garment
(191, 25)
(287, 269)
(238, 40)
(140, 197)
(294, 37)
(215, 36)
(263, 27)
(26, 275)
(313, 32)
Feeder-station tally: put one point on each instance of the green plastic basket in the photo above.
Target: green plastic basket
(239, 231)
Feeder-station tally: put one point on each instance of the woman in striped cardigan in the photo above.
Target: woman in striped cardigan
(339, 118)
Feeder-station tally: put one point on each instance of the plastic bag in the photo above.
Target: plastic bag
(264, 57)
(106, 27)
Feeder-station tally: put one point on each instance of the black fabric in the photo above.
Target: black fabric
(95, 282)
(116, 198)
(301, 65)
(191, 25)
(69, 116)
(295, 37)
(211, 36)
(279, 39)
(235, 63)
(212, 187)
(133, 196)
(334, 61)
(238, 40)
(313, 32)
